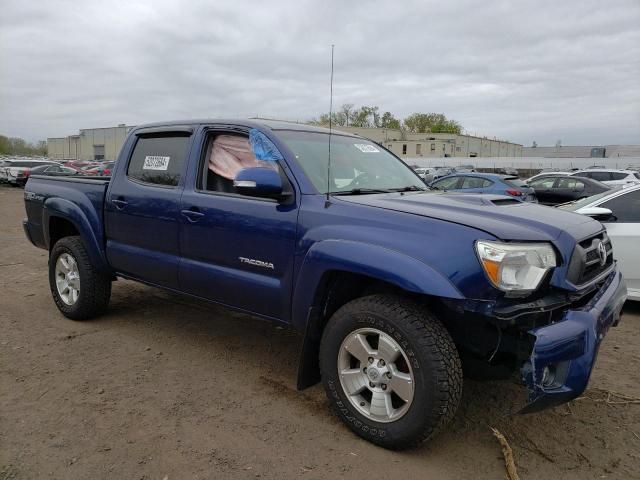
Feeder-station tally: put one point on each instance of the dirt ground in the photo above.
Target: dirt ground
(164, 387)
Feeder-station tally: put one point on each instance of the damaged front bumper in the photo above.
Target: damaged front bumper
(564, 352)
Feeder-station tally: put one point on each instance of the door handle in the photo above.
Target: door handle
(192, 215)
(120, 203)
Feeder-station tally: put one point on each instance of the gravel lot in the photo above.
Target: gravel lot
(165, 387)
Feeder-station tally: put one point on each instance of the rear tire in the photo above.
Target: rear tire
(425, 358)
(78, 289)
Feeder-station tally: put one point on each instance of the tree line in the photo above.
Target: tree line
(19, 146)
(370, 117)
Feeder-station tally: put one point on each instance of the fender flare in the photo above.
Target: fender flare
(396, 268)
(69, 211)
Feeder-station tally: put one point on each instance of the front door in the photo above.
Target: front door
(236, 250)
(142, 209)
(623, 228)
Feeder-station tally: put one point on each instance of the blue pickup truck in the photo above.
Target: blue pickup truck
(396, 289)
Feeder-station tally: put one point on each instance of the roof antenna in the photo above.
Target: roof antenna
(327, 203)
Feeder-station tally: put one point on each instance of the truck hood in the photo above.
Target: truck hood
(498, 215)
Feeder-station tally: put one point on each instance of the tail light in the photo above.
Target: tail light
(23, 173)
(515, 193)
(106, 172)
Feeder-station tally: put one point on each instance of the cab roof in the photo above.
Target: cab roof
(250, 123)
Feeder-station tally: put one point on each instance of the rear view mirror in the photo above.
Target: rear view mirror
(259, 182)
(598, 213)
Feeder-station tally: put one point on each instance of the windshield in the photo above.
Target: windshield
(573, 206)
(356, 164)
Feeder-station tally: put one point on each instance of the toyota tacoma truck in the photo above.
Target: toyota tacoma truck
(394, 288)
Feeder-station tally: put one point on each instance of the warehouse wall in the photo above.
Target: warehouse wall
(91, 142)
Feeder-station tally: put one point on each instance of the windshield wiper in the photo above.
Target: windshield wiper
(362, 191)
(410, 188)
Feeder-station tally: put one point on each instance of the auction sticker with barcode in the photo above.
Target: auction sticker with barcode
(152, 162)
(363, 147)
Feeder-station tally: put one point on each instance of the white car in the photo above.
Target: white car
(14, 171)
(422, 171)
(619, 212)
(609, 176)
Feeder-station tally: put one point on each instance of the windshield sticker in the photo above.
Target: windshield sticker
(152, 162)
(363, 147)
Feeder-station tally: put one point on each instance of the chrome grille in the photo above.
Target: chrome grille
(586, 262)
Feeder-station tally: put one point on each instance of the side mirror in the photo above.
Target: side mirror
(598, 213)
(259, 182)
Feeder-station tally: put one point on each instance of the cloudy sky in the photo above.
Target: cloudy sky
(523, 71)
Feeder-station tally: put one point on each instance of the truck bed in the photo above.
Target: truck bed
(46, 194)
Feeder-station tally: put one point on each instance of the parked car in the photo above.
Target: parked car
(619, 211)
(442, 172)
(425, 173)
(388, 282)
(79, 164)
(102, 170)
(15, 172)
(609, 176)
(544, 174)
(556, 189)
(465, 169)
(508, 171)
(48, 170)
(486, 183)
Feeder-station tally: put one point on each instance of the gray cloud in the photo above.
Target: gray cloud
(538, 70)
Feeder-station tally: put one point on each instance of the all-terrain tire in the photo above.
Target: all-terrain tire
(432, 356)
(95, 287)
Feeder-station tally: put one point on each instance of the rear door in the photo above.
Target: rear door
(447, 183)
(543, 188)
(568, 189)
(472, 184)
(142, 207)
(624, 230)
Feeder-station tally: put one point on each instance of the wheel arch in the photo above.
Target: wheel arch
(62, 218)
(335, 272)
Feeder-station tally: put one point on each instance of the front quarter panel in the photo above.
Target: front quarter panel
(374, 261)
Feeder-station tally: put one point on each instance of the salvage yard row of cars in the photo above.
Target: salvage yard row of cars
(16, 171)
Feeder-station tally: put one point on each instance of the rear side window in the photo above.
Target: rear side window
(618, 175)
(543, 183)
(475, 182)
(625, 208)
(571, 183)
(600, 176)
(159, 160)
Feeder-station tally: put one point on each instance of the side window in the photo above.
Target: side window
(543, 183)
(446, 183)
(618, 175)
(625, 208)
(601, 176)
(227, 155)
(486, 183)
(570, 183)
(473, 182)
(159, 160)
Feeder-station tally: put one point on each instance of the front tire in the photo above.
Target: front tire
(78, 289)
(390, 370)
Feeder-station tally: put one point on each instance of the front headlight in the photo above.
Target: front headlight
(517, 268)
